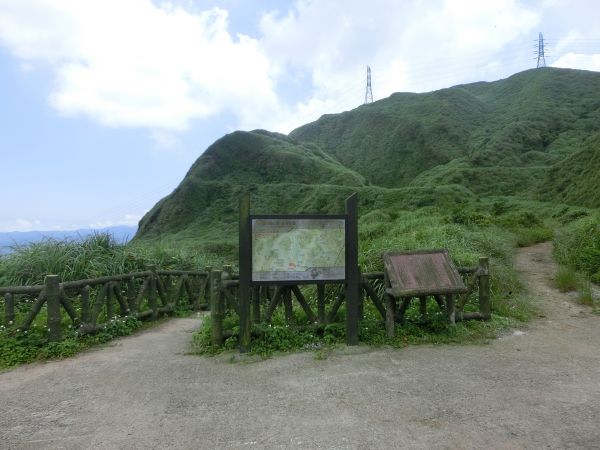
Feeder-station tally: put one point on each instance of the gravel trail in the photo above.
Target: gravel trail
(538, 387)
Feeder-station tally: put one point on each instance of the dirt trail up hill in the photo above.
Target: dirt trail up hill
(538, 387)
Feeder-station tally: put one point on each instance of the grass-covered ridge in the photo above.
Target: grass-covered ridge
(533, 136)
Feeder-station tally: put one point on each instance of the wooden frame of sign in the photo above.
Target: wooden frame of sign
(282, 249)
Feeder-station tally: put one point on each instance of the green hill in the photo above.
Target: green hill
(467, 134)
(532, 137)
(257, 162)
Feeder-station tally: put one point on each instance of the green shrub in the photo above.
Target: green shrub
(566, 279)
(467, 217)
(578, 245)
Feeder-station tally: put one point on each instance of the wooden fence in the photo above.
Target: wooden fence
(266, 299)
(91, 303)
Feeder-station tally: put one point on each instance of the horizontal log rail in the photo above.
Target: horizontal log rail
(151, 293)
(90, 303)
(15, 290)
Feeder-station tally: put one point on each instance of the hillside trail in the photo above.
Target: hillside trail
(535, 387)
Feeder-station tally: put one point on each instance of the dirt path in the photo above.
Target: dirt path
(537, 388)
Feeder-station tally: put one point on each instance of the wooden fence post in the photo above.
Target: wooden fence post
(321, 303)
(131, 296)
(216, 317)
(152, 300)
(110, 310)
(226, 275)
(206, 293)
(53, 306)
(86, 317)
(485, 305)
(9, 310)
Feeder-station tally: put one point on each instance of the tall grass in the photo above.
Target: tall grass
(95, 256)
(577, 245)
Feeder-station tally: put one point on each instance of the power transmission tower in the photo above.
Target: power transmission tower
(541, 55)
(369, 91)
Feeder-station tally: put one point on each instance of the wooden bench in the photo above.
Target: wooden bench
(419, 274)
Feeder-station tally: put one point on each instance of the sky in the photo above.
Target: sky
(105, 104)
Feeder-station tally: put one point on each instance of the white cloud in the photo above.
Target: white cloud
(136, 64)
(131, 219)
(21, 225)
(38, 225)
(133, 63)
(127, 219)
(165, 140)
(579, 61)
(411, 46)
(101, 224)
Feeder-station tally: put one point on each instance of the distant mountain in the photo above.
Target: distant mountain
(121, 234)
(534, 135)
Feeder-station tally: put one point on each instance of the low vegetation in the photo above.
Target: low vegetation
(577, 246)
(95, 256)
(281, 337)
(19, 347)
(577, 249)
(467, 234)
(479, 169)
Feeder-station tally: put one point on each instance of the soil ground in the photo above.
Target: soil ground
(537, 387)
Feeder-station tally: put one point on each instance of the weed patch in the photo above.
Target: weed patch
(566, 279)
(20, 347)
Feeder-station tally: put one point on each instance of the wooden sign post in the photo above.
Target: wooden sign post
(288, 250)
(352, 271)
(245, 272)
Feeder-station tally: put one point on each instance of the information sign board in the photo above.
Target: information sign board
(298, 248)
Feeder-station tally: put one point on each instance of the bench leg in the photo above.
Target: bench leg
(450, 309)
(390, 303)
(423, 308)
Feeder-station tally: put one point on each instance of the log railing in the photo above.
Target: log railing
(266, 299)
(91, 303)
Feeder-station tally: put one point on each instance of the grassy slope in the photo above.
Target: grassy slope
(533, 136)
(510, 137)
(237, 163)
(477, 169)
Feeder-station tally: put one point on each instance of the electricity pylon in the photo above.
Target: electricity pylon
(369, 91)
(541, 56)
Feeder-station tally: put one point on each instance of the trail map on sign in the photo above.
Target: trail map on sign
(285, 249)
